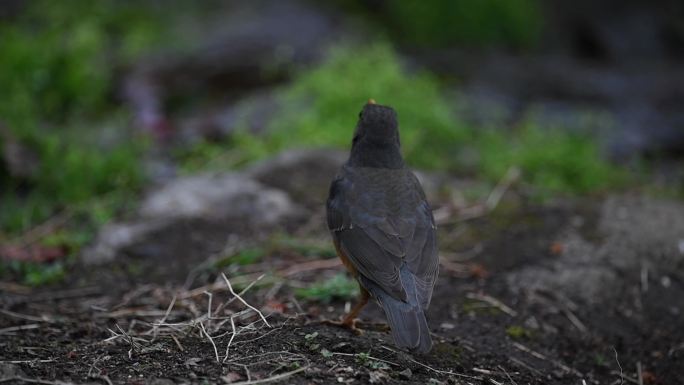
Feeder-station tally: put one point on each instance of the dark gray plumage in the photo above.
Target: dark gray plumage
(383, 228)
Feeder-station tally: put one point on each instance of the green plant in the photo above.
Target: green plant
(320, 109)
(34, 274)
(56, 73)
(552, 160)
(321, 106)
(518, 332)
(366, 359)
(246, 256)
(283, 243)
(338, 287)
(514, 23)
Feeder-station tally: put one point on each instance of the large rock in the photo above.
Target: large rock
(196, 214)
(216, 197)
(633, 234)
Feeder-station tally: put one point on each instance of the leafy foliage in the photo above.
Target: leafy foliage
(56, 76)
(321, 105)
(56, 73)
(552, 160)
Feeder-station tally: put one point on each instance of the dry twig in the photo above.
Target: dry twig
(211, 340)
(230, 287)
(559, 364)
(492, 301)
(271, 379)
(448, 372)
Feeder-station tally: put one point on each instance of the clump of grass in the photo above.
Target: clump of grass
(552, 160)
(338, 287)
(517, 332)
(56, 73)
(246, 256)
(34, 274)
(321, 106)
(283, 243)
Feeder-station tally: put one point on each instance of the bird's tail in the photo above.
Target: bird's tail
(406, 319)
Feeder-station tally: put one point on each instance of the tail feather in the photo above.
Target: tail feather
(406, 319)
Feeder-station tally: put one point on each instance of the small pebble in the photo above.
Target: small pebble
(665, 281)
(406, 373)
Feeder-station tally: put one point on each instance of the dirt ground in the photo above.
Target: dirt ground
(574, 292)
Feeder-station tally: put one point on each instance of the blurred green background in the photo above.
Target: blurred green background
(97, 95)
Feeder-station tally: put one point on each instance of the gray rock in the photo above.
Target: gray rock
(305, 174)
(217, 197)
(195, 213)
(113, 237)
(633, 232)
(406, 374)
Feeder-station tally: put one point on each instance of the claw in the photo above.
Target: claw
(347, 324)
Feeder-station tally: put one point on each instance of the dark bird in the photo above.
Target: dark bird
(383, 229)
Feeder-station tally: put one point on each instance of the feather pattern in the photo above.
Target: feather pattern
(383, 223)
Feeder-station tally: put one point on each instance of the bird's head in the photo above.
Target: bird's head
(376, 139)
(377, 124)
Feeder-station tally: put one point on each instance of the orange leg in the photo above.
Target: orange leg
(349, 320)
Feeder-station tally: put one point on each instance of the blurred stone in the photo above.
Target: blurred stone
(196, 214)
(633, 231)
(217, 197)
(305, 174)
(115, 236)
(243, 47)
(406, 374)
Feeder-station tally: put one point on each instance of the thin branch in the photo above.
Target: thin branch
(27, 317)
(232, 325)
(19, 328)
(271, 379)
(494, 302)
(230, 287)
(25, 361)
(201, 325)
(369, 357)
(435, 370)
(34, 380)
(619, 366)
(155, 327)
(525, 349)
(574, 320)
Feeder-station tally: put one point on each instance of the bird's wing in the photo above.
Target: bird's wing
(378, 241)
(422, 256)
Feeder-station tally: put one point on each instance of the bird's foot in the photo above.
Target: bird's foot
(375, 326)
(349, 324)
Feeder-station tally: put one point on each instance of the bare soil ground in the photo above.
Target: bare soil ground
(554, 293)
